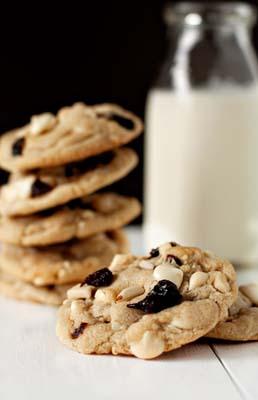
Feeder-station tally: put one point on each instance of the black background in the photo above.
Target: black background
(96, 52)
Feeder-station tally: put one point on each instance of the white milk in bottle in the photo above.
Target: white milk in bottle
(202, 170)
(201, 143)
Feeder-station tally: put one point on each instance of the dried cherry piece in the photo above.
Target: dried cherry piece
(154, 253)
(102, 277)
(88, 164)
(17, 147)
(78, 331)
(39, 188)
(79, 203)
(123, 121)
(48, 212)
(173, 244)
(50, 287)
(72, 170)
(171, 257)
(164, 295)
(75, 203)
(4, 176)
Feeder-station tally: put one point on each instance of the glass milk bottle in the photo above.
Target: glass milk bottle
(201, 150)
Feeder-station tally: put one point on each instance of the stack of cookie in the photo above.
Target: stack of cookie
(54, 228)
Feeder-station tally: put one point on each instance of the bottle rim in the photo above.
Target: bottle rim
(199, 13)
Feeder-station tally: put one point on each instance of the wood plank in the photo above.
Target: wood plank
(241, 359)
(34, 364)
(241, 362)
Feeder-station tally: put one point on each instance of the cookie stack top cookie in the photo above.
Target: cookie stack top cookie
(52, 168)
(55, 159)
(75, 133)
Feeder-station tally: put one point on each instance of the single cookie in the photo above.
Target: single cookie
(80, 218)
(20, 290)
(64, 263)
(75, 133)
(242, 321)
(43, 189)
(145, 306)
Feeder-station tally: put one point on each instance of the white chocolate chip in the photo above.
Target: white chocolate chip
(198, 279)
(80, 292)
(119, 262)
(18, 190)
(88, 214)
(183, 322)
(66, 265)
(220, 282)
(150, 346)
(62, 272)
(77, 308)
(251, 291)
(41, 123)
(39, 281)
(130, 292)
(115, 325)
(145, 264)
(169, 272)
(105, 295)
(81, 225)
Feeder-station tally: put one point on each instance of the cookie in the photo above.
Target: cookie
(29, 193)
(20, 290)
(75, 133)
(79, 218)
(145, 306)
(64, 263)
(242, 321)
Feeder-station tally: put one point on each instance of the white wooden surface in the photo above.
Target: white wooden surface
(34, 365)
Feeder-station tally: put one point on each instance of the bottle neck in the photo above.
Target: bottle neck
(210, 55)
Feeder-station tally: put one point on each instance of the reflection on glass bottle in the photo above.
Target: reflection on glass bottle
(201, 161)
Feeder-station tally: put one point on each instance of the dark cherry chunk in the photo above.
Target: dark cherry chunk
(171, 257)
(39, 188)
(173, 244)
(17, 147)
(4, 176)
(78, 331)
(50, 287)
(124, 122)
(102, 277)
(164, 295)
(88, 164)
(154, 253)
(79, 203)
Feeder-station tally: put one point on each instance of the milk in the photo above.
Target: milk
(201, 165)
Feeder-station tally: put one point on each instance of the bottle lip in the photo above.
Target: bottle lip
(200, 13)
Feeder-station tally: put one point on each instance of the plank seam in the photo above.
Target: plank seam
(238, 388)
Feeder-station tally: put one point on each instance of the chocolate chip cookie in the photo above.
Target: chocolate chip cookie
(145, 306)
(17, 289)
(46, 188)
(79, 218)
(242, 321)
(75, 133)
(64, 263)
